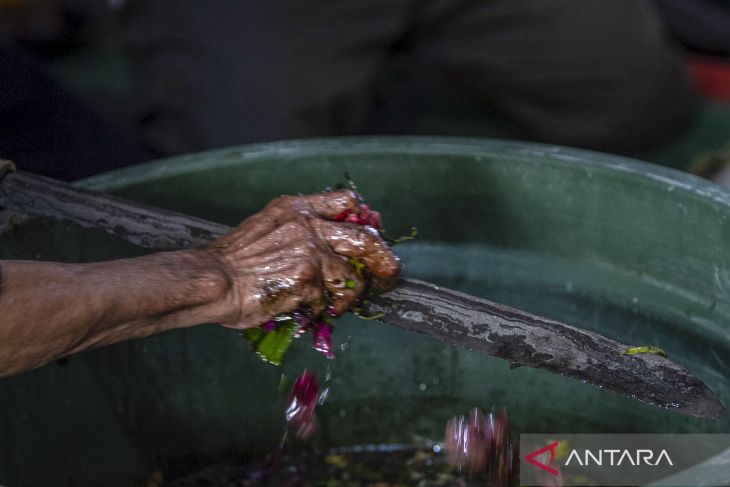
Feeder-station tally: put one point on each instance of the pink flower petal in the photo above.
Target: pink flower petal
(322, 340)
(301, 403)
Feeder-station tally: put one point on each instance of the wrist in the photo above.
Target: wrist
(215, 284)
(207, 285)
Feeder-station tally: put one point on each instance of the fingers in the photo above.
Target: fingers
(331, 204)
(323, 205)
(294, 254)
(341, 282)
(365, 244)
(286, 208)
(247, 232)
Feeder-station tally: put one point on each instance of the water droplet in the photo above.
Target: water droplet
(437, 448)
(346, 344)
(422, 386)
(323, 396)
(342, 413)
(435, 380)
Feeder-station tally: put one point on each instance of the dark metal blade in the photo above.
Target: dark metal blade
(526, 339)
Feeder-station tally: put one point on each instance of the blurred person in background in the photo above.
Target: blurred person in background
(599, 74)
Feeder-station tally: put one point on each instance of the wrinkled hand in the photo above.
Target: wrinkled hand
(292, 255)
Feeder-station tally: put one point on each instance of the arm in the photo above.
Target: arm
(50, 310)
(290, 255)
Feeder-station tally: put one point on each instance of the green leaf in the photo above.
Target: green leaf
(638, 350)
(271, 346)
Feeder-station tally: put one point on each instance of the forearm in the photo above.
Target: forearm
(48, 310)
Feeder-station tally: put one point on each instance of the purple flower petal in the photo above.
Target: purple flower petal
(322, 339)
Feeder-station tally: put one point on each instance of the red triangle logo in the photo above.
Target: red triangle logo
(530, 457)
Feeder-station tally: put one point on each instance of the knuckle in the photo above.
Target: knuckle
(285, 200)
(345, 199)
(390, 263)
(392, 268)
(334, 202)
(281, 205)
(369, 235)
(384, 266)
(275, 204)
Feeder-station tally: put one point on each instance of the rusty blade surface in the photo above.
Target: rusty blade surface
(467, 321)
(526, 339)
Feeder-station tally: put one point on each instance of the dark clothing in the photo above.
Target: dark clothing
(591, 73)
(599, 74)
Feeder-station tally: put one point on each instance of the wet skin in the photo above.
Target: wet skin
(290, 251)
(289, 255)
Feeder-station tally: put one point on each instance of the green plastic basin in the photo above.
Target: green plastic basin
(634, 251)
